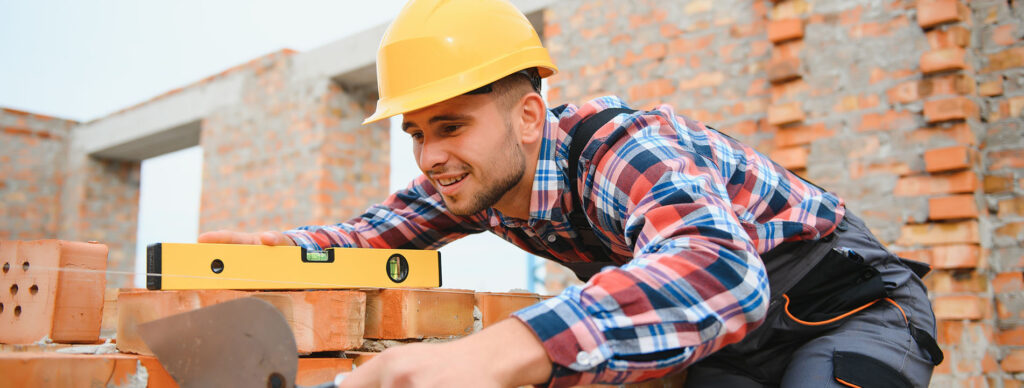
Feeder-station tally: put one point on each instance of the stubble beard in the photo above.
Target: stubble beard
(514, 166)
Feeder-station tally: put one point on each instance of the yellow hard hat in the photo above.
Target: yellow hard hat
(438, 49)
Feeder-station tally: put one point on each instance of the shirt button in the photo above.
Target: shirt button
(583, 358)
(552, 238)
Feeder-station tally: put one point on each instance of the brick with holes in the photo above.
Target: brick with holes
(51, 289)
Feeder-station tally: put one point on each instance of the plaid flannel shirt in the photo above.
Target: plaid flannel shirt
(685, 212)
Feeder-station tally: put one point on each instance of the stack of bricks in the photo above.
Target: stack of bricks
(786, 112)
(52, 318)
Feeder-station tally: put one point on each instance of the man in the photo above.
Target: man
(700, 254)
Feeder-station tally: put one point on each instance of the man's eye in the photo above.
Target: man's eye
(451, 128)
(416, 136)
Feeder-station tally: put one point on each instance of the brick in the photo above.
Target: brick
(79, 370)
(313, 371)
(947, 159)
(1008, 282)
(652, 89)
(1011, 231)
(785, 29)
(960, 307)
(320, 320)
(954, 36)
(945, 85)
(993, 184)
(38, 301)
(939, 60)
(415, 313)
(931, 13)
(793, 158)
(887, 121)
(958, 132)
(939, 233)
(1004, 35)
(904, 93)
(1013, 158)
(954, 183)
(801, 135)
(956, 108)
(949, 333)
(948, 282)
(957, 256)
(781, 114)
(783, 69)
(1011, 207)
(496, 306)
(1014, 361)
(1011, 337)
(1006, 59)
(991, 88)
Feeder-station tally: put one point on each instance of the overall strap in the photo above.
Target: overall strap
(578, 217)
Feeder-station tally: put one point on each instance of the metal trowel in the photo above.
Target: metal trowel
(241, 343)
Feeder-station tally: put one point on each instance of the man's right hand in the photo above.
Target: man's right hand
(232, 237)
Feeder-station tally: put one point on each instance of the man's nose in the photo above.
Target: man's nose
(432, 154)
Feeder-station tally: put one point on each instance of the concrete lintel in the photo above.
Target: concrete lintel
(167, 120)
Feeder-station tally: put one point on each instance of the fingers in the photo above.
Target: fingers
(275, 238)
(228, 237)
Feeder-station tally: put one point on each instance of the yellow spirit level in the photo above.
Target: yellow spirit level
(176, 266)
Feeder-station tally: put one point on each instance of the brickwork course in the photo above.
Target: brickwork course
(910, 110)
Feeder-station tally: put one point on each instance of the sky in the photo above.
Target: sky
(85, 59)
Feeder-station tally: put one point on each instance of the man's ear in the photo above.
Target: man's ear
(532, 115)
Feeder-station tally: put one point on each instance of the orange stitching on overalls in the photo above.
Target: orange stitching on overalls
(851, 312)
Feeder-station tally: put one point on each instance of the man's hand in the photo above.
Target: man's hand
(507, 354)
(232, 237)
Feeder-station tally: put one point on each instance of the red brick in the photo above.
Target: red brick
(793, 158)
(904, 93)
(781, 114)
(1011, 337)
(39, 301)
(949, 332)
(991, 88)
(888, 121)
(80, 370)
(955, 183)
(944, 85)
(1013, 158)
(1014, 361)
(957, 256)
(1011, 207)
(1008, 282)
(997, 183)
(931, 13)
(320, 320)
(960, 307)
(785, 29)
(947, 282)
(783, 69)
(313, 371)
(652, 89)
(413, 313)
(947, 159)
(495, 306)
(959, 132)
(1004, 35)
(957, 108)
(955, 36)
(952, 207)
(801, 135)
(1006, 59)
(940, 60)
(939, 233)
(1012, 231)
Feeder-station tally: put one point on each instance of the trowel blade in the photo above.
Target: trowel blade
(241, 343)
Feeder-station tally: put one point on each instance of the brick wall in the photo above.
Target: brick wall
(910, 110)
(292, 154)
(32, 152)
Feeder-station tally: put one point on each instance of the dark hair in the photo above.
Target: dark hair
(509, 89)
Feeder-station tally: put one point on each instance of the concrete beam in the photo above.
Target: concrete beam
(168, 123)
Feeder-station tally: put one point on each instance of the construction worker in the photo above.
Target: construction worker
(698, 252)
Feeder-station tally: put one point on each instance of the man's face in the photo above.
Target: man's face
(469, 151)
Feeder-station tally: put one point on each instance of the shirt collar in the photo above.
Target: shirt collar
(549, 180)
